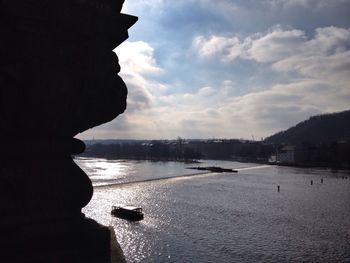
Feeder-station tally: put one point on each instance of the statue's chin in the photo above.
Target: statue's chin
(120, 92)
(103, 105)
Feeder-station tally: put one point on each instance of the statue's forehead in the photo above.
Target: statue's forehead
(27, 5)
(70, 19)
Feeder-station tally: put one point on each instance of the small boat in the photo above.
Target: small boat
(131, 213)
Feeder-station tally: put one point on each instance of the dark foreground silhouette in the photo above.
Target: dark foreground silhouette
(58, 77)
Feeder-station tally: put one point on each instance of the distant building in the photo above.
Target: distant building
(286, 154)
(272, 159)
(334, 154)
(291, 154)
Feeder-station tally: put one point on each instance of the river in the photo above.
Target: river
(224, 217)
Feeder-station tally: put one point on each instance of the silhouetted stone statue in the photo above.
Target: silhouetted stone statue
(58, 77)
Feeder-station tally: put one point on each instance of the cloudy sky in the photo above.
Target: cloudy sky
(231, 68)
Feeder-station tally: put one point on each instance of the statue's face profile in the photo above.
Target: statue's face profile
(64, 74)
(102, 91)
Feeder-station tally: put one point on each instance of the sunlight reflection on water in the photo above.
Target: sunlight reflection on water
(102, 171)
(232, 217)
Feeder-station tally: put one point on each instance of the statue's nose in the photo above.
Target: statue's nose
(128, 20)
(118, 35)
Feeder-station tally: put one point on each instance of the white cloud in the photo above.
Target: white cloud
(325, 56)
(275, 45)
(137, 58)
(137, 65)
(228, 48)
(330, 39)
(207, 91)
(314, 3)
(315, 70)
(259, 113)
(322, 67)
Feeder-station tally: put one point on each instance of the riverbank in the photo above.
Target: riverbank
(315, 165)
(324, 165)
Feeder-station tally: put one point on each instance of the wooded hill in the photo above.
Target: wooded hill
(324, 128)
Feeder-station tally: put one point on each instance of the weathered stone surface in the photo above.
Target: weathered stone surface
(58, 77)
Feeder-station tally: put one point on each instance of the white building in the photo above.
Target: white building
(287, 154)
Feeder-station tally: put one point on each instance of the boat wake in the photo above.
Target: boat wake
(253, 167)
(177, 177)
(153, 180)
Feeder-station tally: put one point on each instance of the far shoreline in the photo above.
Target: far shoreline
(194, 161)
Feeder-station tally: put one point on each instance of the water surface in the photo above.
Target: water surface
(225, 217)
